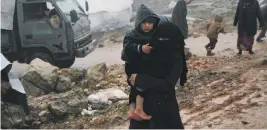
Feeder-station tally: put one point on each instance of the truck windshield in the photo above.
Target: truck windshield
(68, 5)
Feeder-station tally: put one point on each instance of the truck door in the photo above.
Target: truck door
(40, 26)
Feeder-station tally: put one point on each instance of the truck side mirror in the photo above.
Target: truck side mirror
(86, 5)
(74, 16)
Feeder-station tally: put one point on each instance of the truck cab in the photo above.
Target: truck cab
(56, 31)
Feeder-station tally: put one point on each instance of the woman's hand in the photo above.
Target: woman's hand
(132, 79)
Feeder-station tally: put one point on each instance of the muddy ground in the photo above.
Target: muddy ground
(224, 91)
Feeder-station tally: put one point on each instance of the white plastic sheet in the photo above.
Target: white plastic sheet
(13, 78)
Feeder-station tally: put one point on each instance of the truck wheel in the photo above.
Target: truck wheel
(41, 55)
(65, 63)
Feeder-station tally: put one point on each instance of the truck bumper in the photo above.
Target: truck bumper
(84, 51)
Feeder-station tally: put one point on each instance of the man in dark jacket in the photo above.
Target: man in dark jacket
(263, 29)
(159, 99)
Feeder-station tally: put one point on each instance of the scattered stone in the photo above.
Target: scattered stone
(244, 122)
(88, 112)
(57, 109)
(75, 106)
(42, 113)
(264, 62)
(209, 125)
(63, 84)
(97, 120)
(101, 45)
(36, 125)
(217, 82)
(44, 116)
(35, 85)
(96, 74)
(222, 100)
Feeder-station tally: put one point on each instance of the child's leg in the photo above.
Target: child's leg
(213, 43)
(208, 45)
(131, 114)
(139, 108)
(132, 99)
(211, 46)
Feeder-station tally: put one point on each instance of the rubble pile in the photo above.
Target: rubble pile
(57, 95)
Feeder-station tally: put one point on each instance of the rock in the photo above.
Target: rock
(35, 84)
(44, 78)
(57, 109)
(43, 68)
(44, 116)
(75, 106)
(75, 75)
(225, 100)
(63, 84)
(264, 62)
(87, 92)
(36, 125)
(104, 96)
(42, 113)
(96, 74)
(217, 82)
(88, 112)
(100, 45)
(209, 125)
(69, 103)
(97, 120)
(244, 122)
(99, 106)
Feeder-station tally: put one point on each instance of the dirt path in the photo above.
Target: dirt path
(111, 53)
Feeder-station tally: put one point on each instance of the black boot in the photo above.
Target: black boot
(251, 52)
(209, 53)
(259, 40)
(239, 52)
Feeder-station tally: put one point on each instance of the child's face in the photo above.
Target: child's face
(146, 27)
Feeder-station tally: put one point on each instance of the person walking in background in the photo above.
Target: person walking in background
(247, 13)
(264, 14)
(179, 16)
(214, 28)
